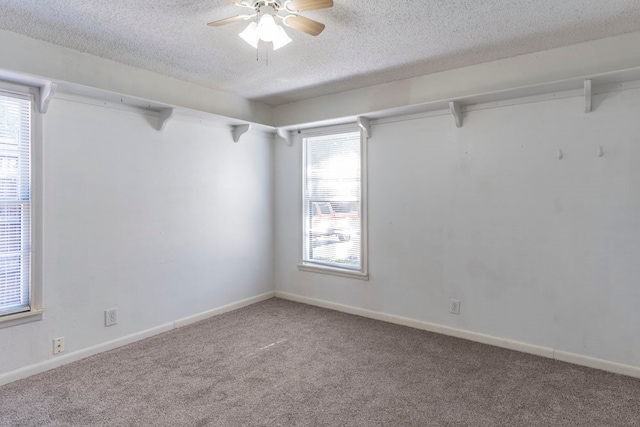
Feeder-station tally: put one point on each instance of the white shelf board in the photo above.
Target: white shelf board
(607, 82)
(601, 83)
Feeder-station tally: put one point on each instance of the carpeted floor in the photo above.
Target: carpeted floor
(279, 363)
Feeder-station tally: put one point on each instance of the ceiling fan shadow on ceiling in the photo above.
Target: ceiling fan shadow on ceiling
(265, 13)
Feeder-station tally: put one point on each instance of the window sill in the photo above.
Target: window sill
(21, 318)
(333, 271)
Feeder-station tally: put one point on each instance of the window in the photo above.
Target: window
(15, 203)
(333, 210)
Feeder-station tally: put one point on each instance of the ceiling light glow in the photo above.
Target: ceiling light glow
(266, 30)
(250, 35)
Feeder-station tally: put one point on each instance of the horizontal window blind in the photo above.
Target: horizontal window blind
(15, 203)
(332, 188)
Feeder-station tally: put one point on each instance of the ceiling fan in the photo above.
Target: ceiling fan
(265, 12)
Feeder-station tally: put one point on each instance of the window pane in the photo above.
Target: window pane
(332, 201)
(15, 206)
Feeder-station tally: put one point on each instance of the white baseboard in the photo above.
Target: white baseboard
(225, 308)
(592, 362)
(564, 356)
(58, 361)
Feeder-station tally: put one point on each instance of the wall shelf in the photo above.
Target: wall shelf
(587, 86)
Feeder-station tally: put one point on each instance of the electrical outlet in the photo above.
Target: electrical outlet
(454, 308)
(58, 345)
(111, 317)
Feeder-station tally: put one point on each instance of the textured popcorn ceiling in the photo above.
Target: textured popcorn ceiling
(365, 42)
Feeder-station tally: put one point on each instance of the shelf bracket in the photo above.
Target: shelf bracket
(46, 93)
(286, 135)
(454, 108)
(587, 96)
(164, 116)
(365, 125)
(239, 130)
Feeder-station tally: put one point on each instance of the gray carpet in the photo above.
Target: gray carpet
(279, 363)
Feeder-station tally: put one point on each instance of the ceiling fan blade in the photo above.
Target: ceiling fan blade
(226, 21)
(303, 24)
(305, 5)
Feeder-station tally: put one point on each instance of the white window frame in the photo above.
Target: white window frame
(36, 308)
(363, 273)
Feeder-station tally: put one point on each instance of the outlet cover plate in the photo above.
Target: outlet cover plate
(58, 345)
(110, 317)
(454, 308)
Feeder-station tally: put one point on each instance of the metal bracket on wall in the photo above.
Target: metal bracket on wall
(164, 116)
(46, 93)
(286, 135)
(238, 130)
(365, 125)
(587, 96)
(454, 108)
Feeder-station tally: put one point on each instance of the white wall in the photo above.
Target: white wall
(161, 225)
(168, 224)
(539, 250)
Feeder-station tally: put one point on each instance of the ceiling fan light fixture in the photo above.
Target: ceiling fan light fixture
(264, 26)
(250, 34)
(267, 28)
(281, 39)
